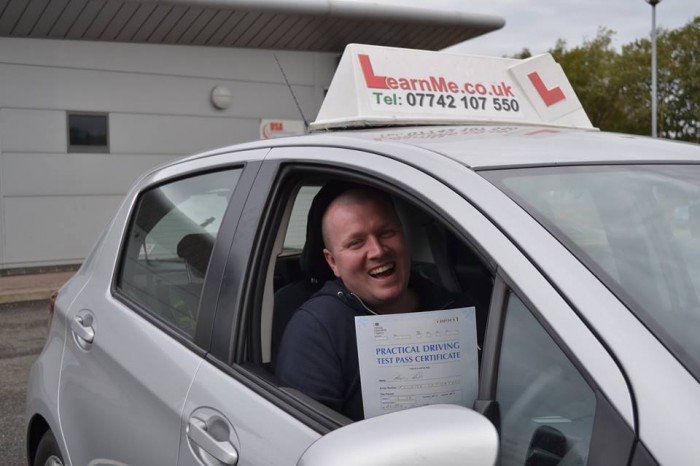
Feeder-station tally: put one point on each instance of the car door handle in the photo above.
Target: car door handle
(222, 450)
(82, 329)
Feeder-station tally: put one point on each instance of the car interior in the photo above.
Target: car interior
(297, 268)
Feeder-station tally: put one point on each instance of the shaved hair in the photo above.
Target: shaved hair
(356, 196)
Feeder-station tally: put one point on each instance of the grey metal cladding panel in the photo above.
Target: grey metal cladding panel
(163, 21)
(154, 20)
(120, 20)
(183, 25)
(343, 31)
(69, 15)
(168, 23)
(291, 34)
(212, 27)
(408, 37)
(253, 30)
(324, 32)
(13, 11)
(418, 36)
(328, 35)
(412, 36)
(136, 22)
(30, 16)
(197, 26)
(440, 39)
(375, 32)
(102, 20)
(272, 25)
(85, 18)
(245, 26)
(302, 37)
(48, 18)
(390, 32)
(223, 29)
(283, 26)
(452, 36)
(360, 27)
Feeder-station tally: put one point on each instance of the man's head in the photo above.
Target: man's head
(366, 249)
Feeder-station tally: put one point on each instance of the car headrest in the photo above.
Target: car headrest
(195, 249)
(312, 261)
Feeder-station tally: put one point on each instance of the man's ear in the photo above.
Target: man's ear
(331, 261)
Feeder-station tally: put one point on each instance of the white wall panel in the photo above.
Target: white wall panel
(102, 91)
(74, 174)
(52, 203)
(44, 230)
(32, 130)
(135, 134)
(174, 60)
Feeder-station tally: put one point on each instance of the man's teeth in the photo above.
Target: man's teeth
(382, 269)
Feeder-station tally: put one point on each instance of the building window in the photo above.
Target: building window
(88, 132)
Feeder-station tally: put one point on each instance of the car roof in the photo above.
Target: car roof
(483, 147)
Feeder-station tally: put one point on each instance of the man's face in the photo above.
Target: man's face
(367, 251)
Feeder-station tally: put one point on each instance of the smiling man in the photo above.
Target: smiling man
(367, 252)
(365, 248)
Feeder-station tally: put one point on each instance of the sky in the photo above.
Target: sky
(537, 24)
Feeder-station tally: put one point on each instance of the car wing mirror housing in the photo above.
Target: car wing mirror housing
(439, 435)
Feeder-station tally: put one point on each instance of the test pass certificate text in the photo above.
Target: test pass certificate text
(416, 359)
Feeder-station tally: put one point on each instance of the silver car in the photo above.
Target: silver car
(584, 247)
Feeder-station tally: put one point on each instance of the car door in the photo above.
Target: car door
(137, 331)
(237, 411)
(236, 408)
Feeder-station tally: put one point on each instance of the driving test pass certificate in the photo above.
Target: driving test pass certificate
(416, 359)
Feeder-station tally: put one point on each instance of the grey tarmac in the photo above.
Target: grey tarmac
(23, 329)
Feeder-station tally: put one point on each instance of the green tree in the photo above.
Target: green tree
(524, 53)
(615, 87)
(633, 76)
(678, 83)
(591, 69)
(680, 102)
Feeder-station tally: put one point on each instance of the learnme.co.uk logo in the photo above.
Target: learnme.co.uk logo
(431, 83)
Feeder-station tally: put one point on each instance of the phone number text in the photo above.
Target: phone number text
(429, 100)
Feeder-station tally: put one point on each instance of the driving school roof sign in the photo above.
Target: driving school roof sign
(376, 86)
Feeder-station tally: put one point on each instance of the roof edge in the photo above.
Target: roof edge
(352, 9)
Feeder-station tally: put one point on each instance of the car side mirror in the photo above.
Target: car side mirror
(440, 435)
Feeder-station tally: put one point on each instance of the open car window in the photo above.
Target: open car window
(437, 255)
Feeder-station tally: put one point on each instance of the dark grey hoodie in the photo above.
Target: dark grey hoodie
(318, 352)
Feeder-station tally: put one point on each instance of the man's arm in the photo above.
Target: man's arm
(308, 360)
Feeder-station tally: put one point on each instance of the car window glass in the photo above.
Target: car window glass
(169, 245)
(546, 406)
(296, 230)
(637, 228)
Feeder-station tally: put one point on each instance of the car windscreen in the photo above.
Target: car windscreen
(636, 227)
